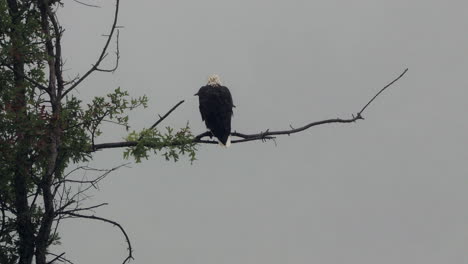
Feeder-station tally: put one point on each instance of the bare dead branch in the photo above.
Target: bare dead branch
(161, 118)
(103, 51)
(61, 208)
(83, 209)
(251, 137)
(117, 57)
(58, 257)
(89, 183)
(85, 4)
(127, 239)
(383, 89)
(71, 80)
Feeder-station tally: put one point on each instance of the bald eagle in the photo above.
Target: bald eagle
(216, 109)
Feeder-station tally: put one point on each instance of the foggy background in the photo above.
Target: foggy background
(392, 188)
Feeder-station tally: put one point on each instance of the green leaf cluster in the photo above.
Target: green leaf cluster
(171, 144)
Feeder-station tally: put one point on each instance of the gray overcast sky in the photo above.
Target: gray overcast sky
(389, 189)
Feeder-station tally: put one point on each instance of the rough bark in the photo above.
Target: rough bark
(53, 60)
(24, 224)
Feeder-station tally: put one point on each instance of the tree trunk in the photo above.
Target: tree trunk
(53, 60)
(24, 224)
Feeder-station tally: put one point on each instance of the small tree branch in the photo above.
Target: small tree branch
(127, 239)
(85, 4)
(61, 211)
(103, 51)
(58, 257)
(249, 137)
(117, 56)
(161, 118)
(383, 89)
(88, 184)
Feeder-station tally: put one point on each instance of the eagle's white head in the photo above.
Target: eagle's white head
(214, 80)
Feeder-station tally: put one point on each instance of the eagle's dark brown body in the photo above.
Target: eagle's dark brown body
(216, 110)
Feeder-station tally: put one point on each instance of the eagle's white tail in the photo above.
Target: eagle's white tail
(228, 142)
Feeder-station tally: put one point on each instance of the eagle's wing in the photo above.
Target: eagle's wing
(204, 102)
(226, 98)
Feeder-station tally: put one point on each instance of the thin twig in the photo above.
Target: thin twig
(58, 257)
(103, 51)
(79, 2)
(127, 239)
(385, 87)
(161, 118)
(117, 55)
(84, 209)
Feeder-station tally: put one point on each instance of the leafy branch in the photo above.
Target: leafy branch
(150, 139)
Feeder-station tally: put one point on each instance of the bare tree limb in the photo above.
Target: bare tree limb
(85, 4)
(82, 209)
(87, 168)
(161, 118)
(103, 51)
(127, 239)
(117, 56)
(251, 137)
(383, 89)
(58, 257)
